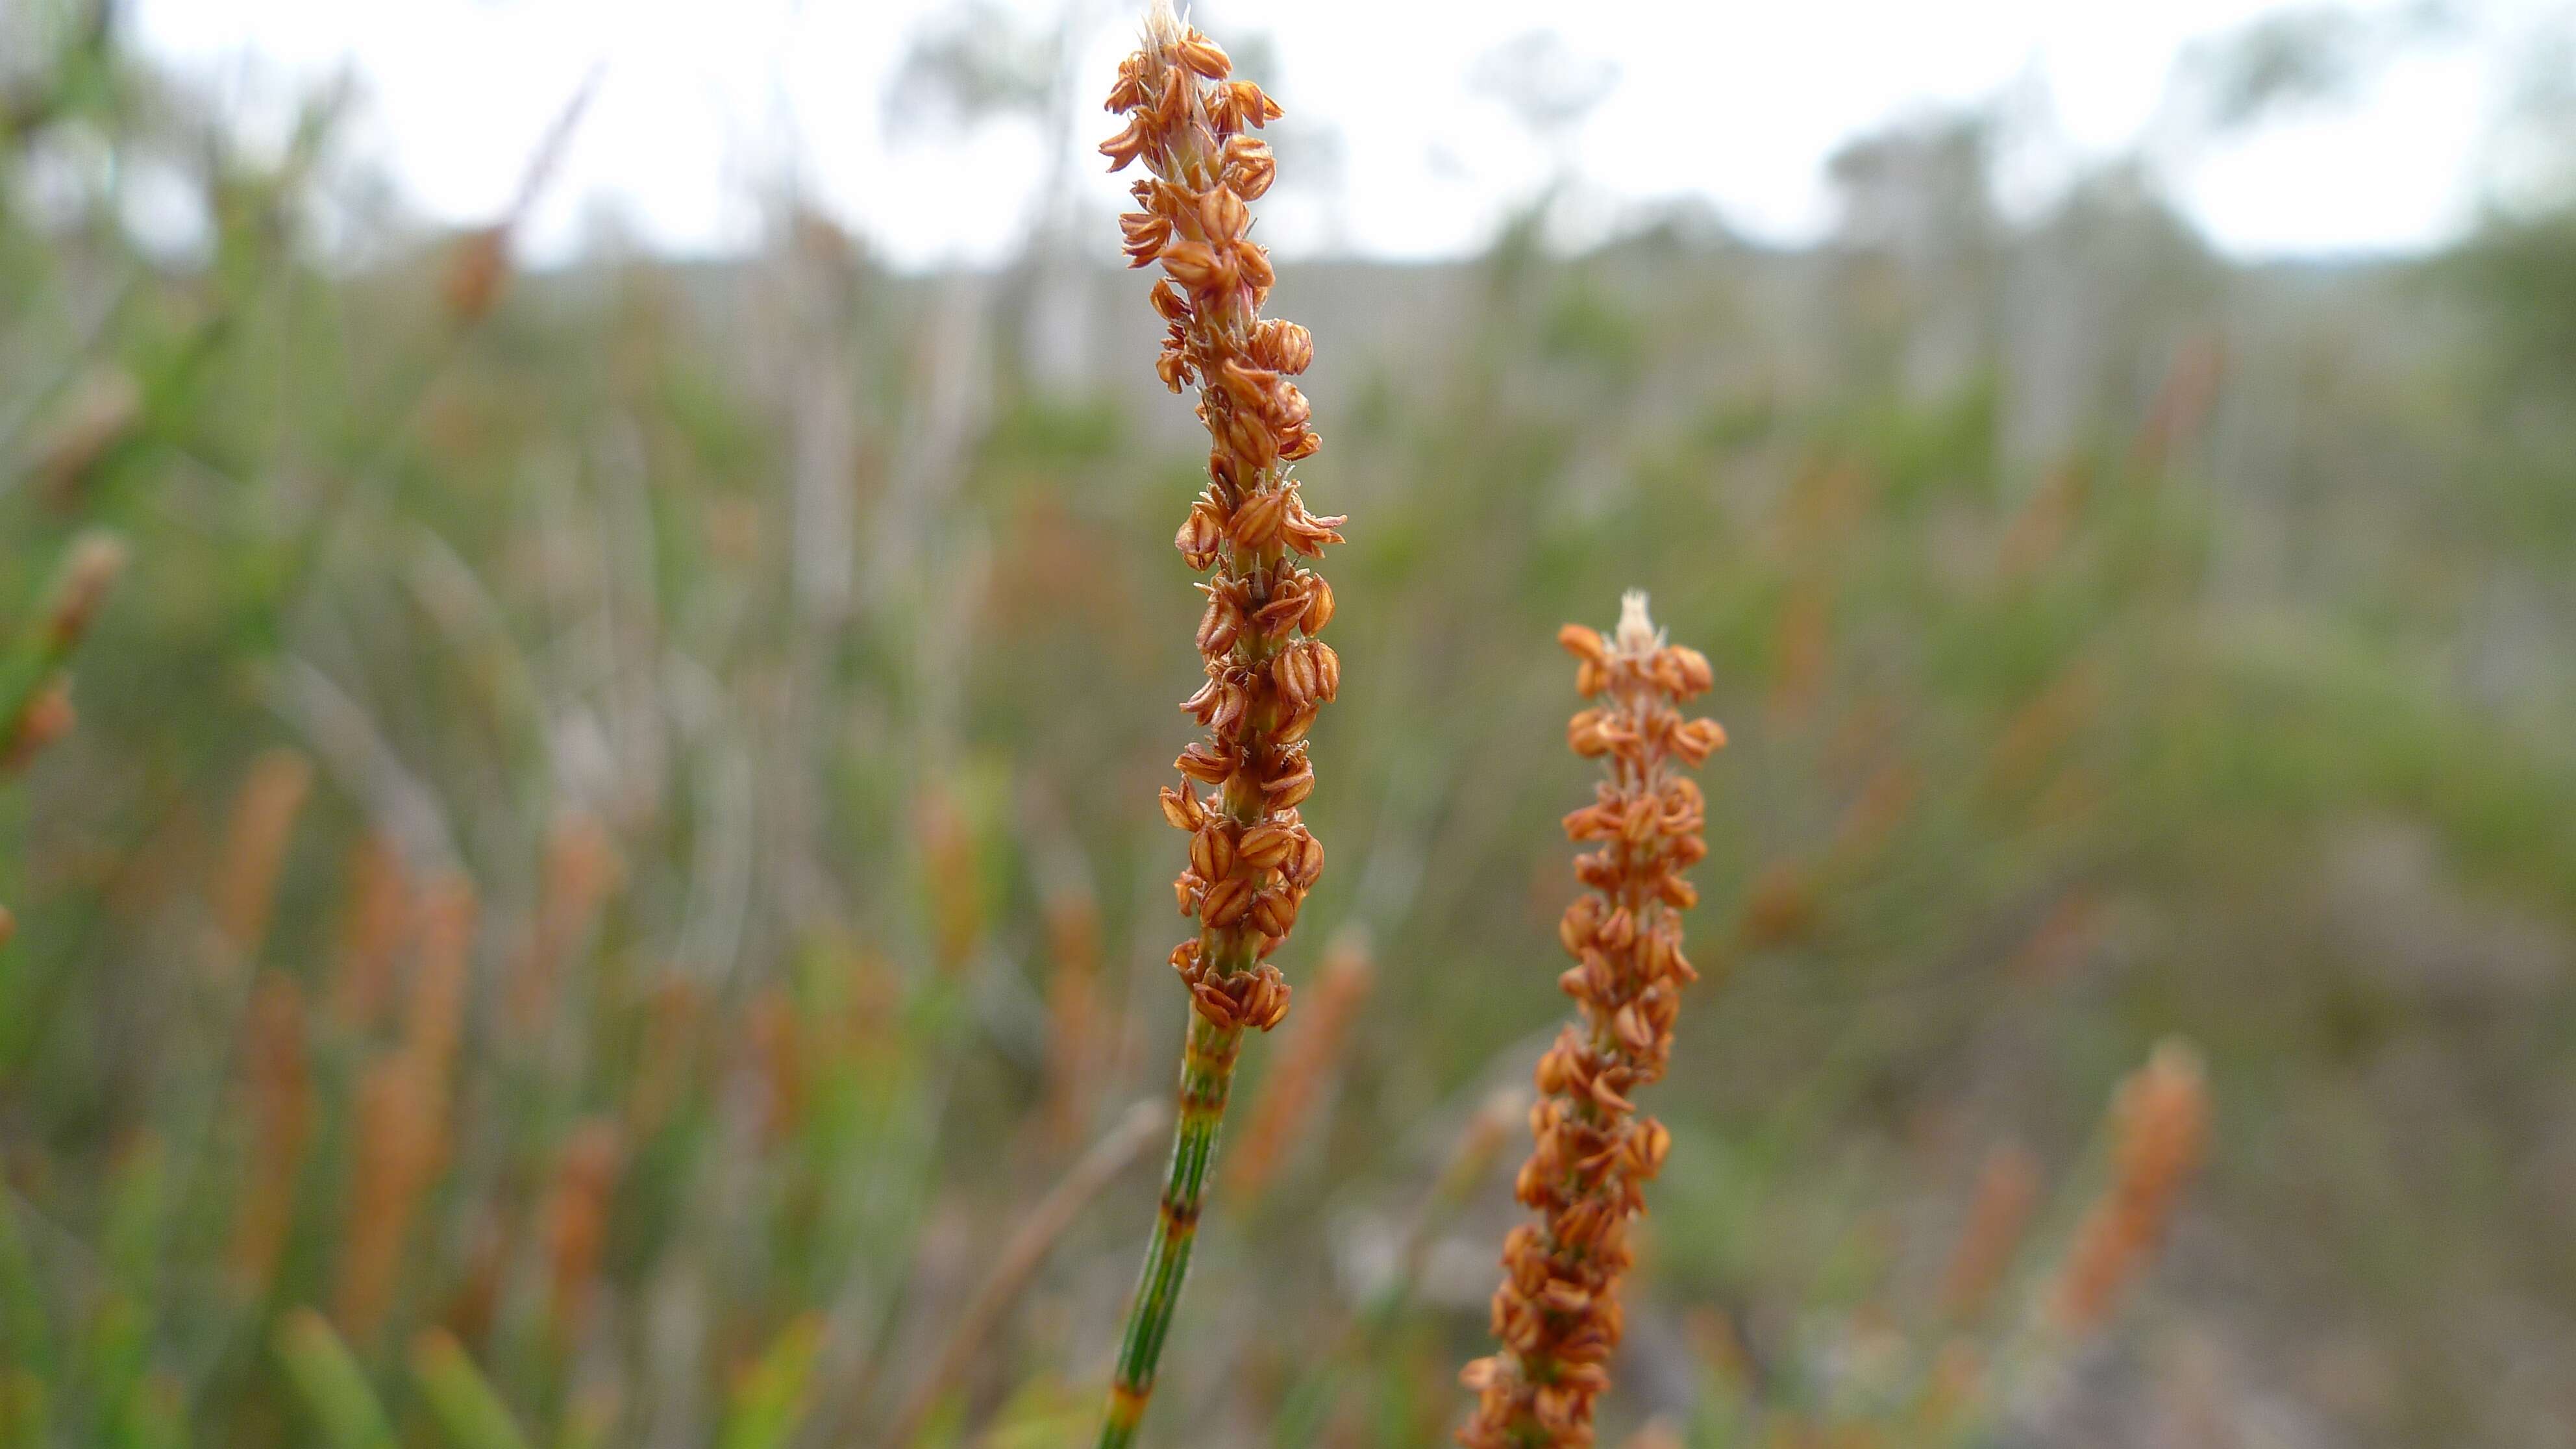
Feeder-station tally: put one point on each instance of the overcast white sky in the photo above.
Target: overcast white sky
(702, 104)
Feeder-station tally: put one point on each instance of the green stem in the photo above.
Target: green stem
(1207, 1073)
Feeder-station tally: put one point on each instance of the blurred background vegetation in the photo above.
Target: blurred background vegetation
(607, 861)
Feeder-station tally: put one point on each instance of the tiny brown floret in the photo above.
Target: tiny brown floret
(1557, 1312)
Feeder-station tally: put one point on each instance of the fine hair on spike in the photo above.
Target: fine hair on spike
(1636, 630)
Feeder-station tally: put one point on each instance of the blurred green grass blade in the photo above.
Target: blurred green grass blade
(119, 1337)
(1299, 1421)
(461, 1399)
(769, 1399)
(134, 1222)
(945, 1428)
(24, 1406)
(334, 1389)
(115, 1348)
(26, 1339)
(157, 1417)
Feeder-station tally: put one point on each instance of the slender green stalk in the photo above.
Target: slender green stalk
(331, 1384)
(26, 1334)
(1207, 1075)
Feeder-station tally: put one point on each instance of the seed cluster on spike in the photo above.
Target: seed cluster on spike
(1557, 1312)
(1251, 860)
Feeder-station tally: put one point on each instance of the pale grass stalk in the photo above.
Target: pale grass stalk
(1016, 1264)
(1307, 1409)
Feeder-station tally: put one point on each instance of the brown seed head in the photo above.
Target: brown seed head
(2160, 1129)
(577, 1222)
(1557, 1314)
(477, 267)
(401, 1139)
(581, 870)
(95, 561)
(46, 719)
(255, 844)
(279, 1093)
(374, 922)
(1251, 864)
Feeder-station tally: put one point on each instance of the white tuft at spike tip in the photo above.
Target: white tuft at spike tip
(1636, 633)
(1163, 28)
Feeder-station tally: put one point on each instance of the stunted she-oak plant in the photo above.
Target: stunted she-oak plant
(1251, 861)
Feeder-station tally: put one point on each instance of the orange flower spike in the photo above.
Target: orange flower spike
(2160, 1132)
(1251, 861)
(1557, 1312)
